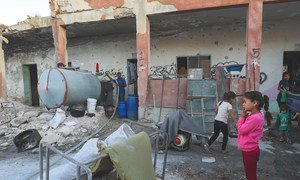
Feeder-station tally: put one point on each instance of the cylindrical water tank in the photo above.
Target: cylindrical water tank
(58, 87)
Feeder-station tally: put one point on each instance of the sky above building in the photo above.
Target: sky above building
(13, 11)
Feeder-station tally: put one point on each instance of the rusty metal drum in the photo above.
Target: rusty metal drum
(57, 87)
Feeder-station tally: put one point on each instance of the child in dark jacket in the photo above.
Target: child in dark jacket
(283, 88)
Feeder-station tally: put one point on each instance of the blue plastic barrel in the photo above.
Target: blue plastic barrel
(132, 107)
(122, 109)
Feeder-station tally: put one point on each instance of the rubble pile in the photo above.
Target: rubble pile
(18, 117)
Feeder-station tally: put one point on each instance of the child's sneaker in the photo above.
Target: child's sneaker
(281, 139)
(206, 147)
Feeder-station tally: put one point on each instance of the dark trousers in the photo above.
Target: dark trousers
(219, 126)
(250, 159)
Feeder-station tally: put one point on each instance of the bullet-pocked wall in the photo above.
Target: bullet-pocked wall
(278, 37)
(111, 52)
(14, 69)
(227, 43)
(220, 42)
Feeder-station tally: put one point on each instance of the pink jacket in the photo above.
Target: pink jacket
(250, 130)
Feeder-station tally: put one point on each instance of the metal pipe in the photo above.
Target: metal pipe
(78, 172)
(161, 98)
(155, 151)
(86, 168)
(178, 82)
(47, 163)
(41, 161)
(166, 154)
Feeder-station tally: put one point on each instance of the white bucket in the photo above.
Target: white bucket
(91, 105)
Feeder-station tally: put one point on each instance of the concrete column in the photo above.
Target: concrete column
(238, 86)
(60, 41)
(253, 42)
(143, 54)
(2, 71)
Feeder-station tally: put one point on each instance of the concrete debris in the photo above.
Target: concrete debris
(202, 170)
(16, 122)
(70, 123)
(66, 131)
(4, 144)
(45, 116)
(13, 121)
(2, 117)
(3, 130)
(51, 138)
(209, 159)
(31, 114)
(45, 127)
(83, 130)
(20, 113)
(35, 151)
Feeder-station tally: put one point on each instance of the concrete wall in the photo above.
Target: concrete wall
(111, 52)
(277, 38)
(221, 42)
(227, 43)
(14, 72)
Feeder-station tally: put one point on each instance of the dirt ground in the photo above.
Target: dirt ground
(277, 160)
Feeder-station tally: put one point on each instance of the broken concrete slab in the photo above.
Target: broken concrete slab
(45, 116)
(66, 131)
(209, 159)
(2, 118)
(70, 123)
(3, 130)
(51, 138)
(83, 130)
(5, 144)
(45, 127)
(16, 122)
(20, 113)
(30, 114)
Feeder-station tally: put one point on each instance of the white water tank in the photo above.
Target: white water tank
(57, 87)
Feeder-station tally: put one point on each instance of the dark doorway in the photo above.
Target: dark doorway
(30, 78)
(291, 63)
(132, 76)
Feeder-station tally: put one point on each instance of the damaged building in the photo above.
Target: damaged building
(155, 44)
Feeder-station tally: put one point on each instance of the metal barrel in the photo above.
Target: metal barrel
(58, 87)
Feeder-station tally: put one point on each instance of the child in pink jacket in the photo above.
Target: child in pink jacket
(250, 130)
